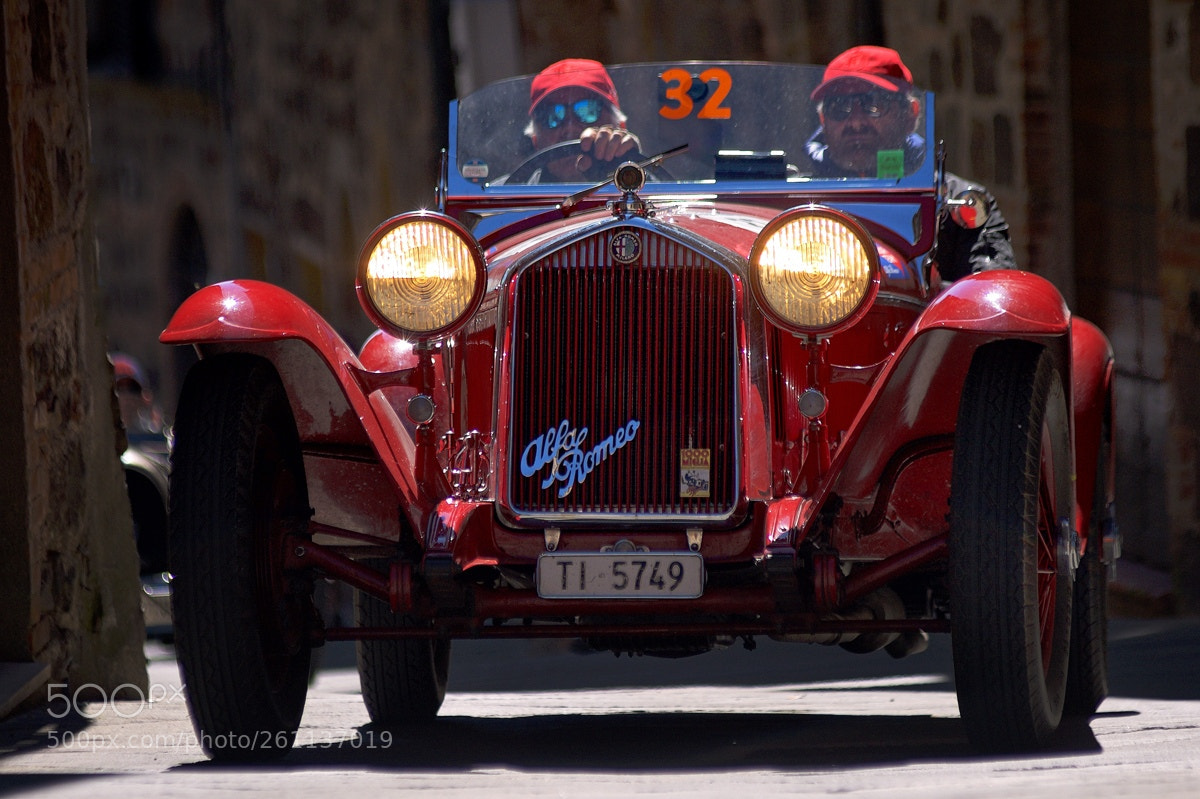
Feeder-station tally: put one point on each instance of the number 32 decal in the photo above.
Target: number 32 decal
(680, 104)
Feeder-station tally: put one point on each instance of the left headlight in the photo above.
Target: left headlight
(420, 275)
(813, 269)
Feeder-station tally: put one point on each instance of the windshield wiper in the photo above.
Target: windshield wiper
(568, 205)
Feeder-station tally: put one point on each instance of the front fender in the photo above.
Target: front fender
(1008, 301)
(915, 398)
(249, 310)
(318, 369)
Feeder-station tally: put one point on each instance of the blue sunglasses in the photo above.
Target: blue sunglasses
(586, 111)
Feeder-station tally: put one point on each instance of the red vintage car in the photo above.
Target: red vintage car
(709, 397)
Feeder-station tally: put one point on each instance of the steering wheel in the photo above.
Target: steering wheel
(598, 171)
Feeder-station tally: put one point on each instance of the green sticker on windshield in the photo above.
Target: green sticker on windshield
(890, 164)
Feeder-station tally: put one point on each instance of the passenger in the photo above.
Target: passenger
(867, 106)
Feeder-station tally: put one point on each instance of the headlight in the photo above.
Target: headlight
(812, 268)
(420, 275)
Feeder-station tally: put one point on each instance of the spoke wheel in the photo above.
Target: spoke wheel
(241, 622)
(1011, 562)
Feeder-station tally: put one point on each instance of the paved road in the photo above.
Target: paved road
(537, 719)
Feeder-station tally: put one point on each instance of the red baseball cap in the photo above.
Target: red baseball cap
(582, 73)
(880, 66)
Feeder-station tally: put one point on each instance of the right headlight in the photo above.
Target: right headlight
(813, 269)
(420, 275)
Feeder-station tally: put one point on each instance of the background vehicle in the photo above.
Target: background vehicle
(146, 461)
(657, 417)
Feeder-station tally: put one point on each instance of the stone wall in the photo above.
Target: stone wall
(286, 130)
(1175, 32)
(72, 602)
(1117, 260)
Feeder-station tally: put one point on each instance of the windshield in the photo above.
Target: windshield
(740, 122)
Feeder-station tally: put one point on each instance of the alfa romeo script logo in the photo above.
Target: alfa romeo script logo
(561, 448)
(625, 247)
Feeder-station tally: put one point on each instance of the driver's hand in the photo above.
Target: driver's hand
(606, 142)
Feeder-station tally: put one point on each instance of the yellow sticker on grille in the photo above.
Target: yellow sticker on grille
(694, 469)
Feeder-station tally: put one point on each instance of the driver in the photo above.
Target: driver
(575, 99)
(869, 111)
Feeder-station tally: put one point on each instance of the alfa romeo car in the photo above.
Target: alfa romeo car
(698, 397)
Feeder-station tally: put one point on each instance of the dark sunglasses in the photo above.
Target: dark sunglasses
(873, 104)
(586, 111)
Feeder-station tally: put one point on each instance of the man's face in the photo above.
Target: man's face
(564, 114)
(860, 119)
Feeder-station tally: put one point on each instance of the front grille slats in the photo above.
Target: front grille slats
(602, 344)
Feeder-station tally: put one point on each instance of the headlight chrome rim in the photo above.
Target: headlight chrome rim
(823, 300)
(420, 275)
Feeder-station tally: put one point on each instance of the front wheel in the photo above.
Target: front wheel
(241, 622)
(1011, 552)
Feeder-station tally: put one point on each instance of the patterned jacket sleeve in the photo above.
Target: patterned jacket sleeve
(962, 252)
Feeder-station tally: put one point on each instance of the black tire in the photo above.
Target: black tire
(403, 680)
(1087, 677)
(1010, 560)
(241, 623)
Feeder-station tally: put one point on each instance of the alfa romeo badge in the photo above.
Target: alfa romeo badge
(625, 247)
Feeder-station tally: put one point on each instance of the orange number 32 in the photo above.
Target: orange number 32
(679, 103)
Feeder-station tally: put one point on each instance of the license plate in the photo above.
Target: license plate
(619, 575)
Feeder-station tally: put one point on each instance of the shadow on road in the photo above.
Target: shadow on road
(656, 743)
(624, 740)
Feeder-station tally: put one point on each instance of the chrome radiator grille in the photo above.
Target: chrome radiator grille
(623, 395)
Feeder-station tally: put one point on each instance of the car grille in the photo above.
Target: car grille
(642, 355)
